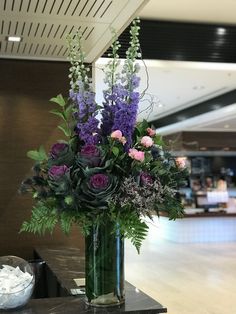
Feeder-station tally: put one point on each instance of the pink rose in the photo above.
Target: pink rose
(123, 140)
(136, 154)
(151, 132)
(146, 141)
(180, 162)
(116, 134)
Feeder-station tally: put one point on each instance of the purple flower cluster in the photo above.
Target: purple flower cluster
(85, 114)
(120, 109)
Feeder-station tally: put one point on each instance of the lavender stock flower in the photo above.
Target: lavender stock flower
(85, 113)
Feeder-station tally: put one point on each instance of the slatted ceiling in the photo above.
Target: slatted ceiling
(59, 51)
(12, 46)
(44, 24)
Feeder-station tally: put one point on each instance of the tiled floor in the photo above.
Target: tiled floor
(198, 278)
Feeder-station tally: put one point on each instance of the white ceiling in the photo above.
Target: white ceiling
(179, 85)
(182, 84)
(210, 11)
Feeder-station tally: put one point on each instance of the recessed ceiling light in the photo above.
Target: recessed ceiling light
(203, 148)
(14, 38)
(226, 148)
(160, 105)
(216, 106)
(226, 126)
(181, 118)
(198, 87)
(221, 31)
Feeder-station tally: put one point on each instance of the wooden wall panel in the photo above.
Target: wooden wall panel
(25, 123)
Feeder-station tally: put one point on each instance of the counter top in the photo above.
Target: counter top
(67, 264)
(204, 214)
(75, 305)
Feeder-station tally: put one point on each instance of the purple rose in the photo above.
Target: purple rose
(58, 149)
(145, 178)
(90, 155)
(99, 181)
(56, 172)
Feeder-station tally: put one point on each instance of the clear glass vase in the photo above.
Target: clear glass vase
(104, 266)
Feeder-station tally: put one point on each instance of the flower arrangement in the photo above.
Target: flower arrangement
(112, 168)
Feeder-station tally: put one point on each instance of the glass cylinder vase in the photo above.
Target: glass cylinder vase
(104, 266)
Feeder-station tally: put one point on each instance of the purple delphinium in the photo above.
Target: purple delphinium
(121, 100)
(120, 110)
(85, 114)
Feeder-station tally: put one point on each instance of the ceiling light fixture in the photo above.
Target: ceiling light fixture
(216, 107)
(198, 87)
(221, 31)
(14, 38)
(203, 148)
(226, 126)
(226, 148)
(181, 118)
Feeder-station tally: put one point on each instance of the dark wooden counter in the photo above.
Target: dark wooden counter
(67, 264)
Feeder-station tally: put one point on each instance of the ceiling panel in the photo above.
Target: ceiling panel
(207, 11)
(44, 25)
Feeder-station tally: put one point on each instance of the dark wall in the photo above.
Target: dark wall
(25, 124)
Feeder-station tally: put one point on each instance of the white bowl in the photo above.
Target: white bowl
(13, 296)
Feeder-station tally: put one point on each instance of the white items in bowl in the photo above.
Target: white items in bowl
(16, 282)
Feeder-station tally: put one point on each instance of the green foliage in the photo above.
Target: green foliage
(59, 100)
(38, 155)
(142, 127)
(65, 113)
(172, 207)
(65, 129)
(58, 113)
(44, 218)
(133, 228)
(66, 221)
(115, 151)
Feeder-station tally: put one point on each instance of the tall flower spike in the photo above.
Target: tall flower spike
(121, 102)
(81, 94)
(78, 70)
(111, 79)
(126, 108)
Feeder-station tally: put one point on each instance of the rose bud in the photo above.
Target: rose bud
(146, 141)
